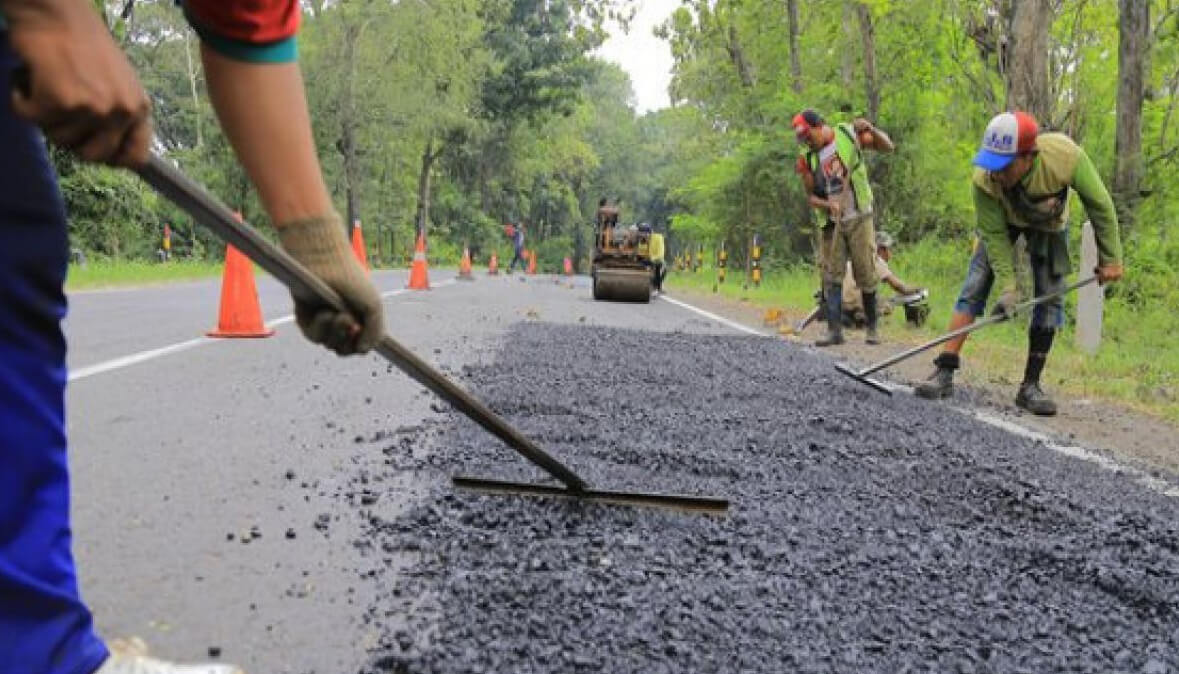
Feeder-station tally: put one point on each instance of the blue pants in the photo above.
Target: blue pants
(518, 257)
(44, 626)
(979, 279)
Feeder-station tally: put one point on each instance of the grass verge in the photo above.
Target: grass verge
(1136, 366)
(113, 274)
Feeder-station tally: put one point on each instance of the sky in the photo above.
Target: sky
(645, 57)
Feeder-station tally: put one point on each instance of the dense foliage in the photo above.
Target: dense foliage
(457, 116)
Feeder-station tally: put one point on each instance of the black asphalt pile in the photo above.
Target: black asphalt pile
(867, 533)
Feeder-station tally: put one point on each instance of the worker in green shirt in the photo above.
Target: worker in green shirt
(1021, 186)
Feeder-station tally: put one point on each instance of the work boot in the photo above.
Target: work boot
(130, 657)
(869, 300)
(941, 383)
(1033, 399)
(834, 297)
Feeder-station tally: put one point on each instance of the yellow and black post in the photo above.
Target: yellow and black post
(755, 261)
(699, 259)
(722, 256)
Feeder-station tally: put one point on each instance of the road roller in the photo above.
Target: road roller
(622, 261)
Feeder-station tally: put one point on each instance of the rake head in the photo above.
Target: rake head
(862, 379)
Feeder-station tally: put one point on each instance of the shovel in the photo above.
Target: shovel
(862, 375)
(205, 209)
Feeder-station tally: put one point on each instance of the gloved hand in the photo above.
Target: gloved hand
(320, 245)
(911, 290)
(1006, 304)
(1108, 273)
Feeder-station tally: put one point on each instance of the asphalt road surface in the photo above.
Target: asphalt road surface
(291, 509)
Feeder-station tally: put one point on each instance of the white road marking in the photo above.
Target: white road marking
(152, 354)
(1141, 477)
(708, 314)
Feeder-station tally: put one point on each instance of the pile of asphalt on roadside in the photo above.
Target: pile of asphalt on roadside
(866, 533)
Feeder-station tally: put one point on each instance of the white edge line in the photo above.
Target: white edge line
(1141, 477)
(152, 354)
(708, 314)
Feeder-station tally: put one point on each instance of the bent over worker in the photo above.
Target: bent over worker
(80, 89)
(853, 307)
(1021, 188)
(836, 179)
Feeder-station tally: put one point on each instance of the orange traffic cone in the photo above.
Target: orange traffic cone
(358, 244)
(493, 265)
(418, 279)
(532, 263)
(568, 267)
(465, 266)
(241, 314)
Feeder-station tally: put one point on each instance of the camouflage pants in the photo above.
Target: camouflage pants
(854, 239)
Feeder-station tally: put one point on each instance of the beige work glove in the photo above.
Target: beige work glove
(319, 244)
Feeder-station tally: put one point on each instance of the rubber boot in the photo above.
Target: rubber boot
(941, 383)
(1033, 399)
(834, 316)
(869, 299)
(130, 657)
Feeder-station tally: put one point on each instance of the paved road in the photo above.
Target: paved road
(176, 459)
(180, 459)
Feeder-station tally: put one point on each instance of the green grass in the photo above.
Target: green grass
(1137, 364)
(116, 273)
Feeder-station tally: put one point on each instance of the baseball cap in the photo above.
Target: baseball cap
(804, 121)
(884, 239)
(1007, 135)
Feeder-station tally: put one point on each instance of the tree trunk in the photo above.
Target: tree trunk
(868, 37)
(423, 212)
(737, 54)
(795, 58)
(347, 142)
(1028, 85)
(1133, 44)
(847, 62)
(192, 86)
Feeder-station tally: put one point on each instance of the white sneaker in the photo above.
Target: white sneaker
(130, 657)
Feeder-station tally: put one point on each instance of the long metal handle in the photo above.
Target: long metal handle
(977, 325)
(205, 209)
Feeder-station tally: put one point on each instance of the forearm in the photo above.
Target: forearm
(817, 203)
(881, 142)
(897, 285)
(992, 229)
(1099, 207)
(263, 111)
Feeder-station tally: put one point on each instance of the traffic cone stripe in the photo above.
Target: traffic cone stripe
(240, 314)
(418, 277)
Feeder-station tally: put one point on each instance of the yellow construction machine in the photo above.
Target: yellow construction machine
(622, 261)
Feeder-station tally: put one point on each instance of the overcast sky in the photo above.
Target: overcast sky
(645, 57)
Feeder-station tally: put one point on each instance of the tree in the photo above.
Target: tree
(1028, 86)
(1133, 46)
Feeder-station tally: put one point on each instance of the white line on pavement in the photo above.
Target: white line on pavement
(152, 354)
(1141, 477)
(708, 314)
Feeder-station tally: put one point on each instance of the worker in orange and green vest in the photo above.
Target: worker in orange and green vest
(1021, 188)
(835, 175)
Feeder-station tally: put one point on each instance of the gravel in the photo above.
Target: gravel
(867, 533)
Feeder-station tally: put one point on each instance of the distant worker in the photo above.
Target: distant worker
(836, 178)
(606, 221)
(1021, 188)
(657, 253)
(516, 233)
(853, 307)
